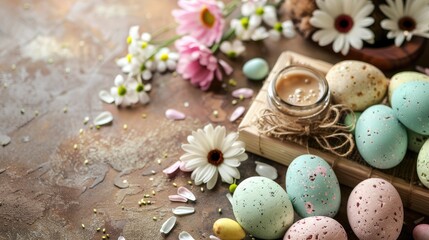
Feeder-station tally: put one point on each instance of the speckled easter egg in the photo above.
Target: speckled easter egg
(256, 69)
(380, 138)
(356, 84)
(423, 164)
(313, 187)
(404, 77)
(351, 119)
(262, 208)
(415, 140)
(421, 232)
(374, 210)
(316, 227)
(410, 103)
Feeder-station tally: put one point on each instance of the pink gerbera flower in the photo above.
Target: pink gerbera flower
(198, 64)
(201, 19)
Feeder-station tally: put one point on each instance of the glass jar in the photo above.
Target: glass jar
(299, 92)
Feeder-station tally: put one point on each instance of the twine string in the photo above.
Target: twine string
(327, 132)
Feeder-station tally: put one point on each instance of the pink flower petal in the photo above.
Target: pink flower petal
(237, 113)
(177, 198)
(174, 114)
(173, 168)
(184, 192)
(242, 92)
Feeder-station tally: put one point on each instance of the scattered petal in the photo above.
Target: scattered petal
(106, 97)
(184, 192)
(168, 225)
(174, 114)
(183, 210)
(185, 236)
(266, 170)
(242, 93)
(237, 113)
(173, 168)
(103, 118)
(177, 198)
(4, 139)
(229, 196)
(121, 238)
(212, 237)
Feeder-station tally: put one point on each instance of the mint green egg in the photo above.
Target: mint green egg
(404, 77)
(415, 140)
(423, 164)
(256, 69)
(313, 187)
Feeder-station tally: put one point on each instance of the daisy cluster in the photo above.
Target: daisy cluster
(346, 23)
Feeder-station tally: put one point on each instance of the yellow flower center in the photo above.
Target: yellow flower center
(164, 57)
(144, 45)
(259, 11)
(122, 90)
(244, 22)
(278, 27)
(129, 39)
(207, 18)
(139, 87)
(232, 54)
(129, 57)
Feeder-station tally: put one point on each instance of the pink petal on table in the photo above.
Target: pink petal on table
(237, 113)
(173, 168)
(183, 167)
(177, 198)
(242, 92)
(174, 114)
(184, 192)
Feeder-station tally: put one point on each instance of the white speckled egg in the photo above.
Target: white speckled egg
(316, 227)
(415, 140)
(356, 84)
(375, 211)
(380, 138)
(410, 103)
(404, 77)
(423, 164)
(262, 207)
(313, 187)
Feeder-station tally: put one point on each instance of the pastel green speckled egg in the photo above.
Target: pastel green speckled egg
(313, 187)
(256, 69)
(380, 138)
(262, 208)
(423, 164)
(410, 103)
(415, 140)
(351, 120)
(404, 77)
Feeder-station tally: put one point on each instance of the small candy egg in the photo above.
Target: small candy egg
(256, 69)
(262, 208)
(356, 84)
(313, 187)
(423, 164)
(380, 138)
(404, 77)
(375, 210)
(421, 232)
(228, 229)
(348, 120)
(316, 227)
(415, 140)
(410, 103)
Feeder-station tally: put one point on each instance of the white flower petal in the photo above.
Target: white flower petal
(228, 173)
(225, 47)
(212, 182)
(339, 43)
(119, 80)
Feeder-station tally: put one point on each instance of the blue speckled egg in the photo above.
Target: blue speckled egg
(313, 187)
(256, 69)
(262, 208)
(380, 138)
(410, 103)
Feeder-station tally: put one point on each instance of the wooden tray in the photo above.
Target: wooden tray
(349, 172)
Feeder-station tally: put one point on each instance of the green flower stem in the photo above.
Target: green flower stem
(230, 7)
(167, 43)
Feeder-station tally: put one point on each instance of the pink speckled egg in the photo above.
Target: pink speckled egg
(375, 210)
(316, 227)
(421, 232)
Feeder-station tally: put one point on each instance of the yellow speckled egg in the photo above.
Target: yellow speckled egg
(423, 164)
(356, 84)
(403, 77)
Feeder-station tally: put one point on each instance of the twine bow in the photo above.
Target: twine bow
(328, 133)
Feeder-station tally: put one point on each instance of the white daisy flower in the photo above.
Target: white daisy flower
(166, 60)
(243, 29)
(123, 92)
(344, 23)
(285, 28)
(259, 34)
(209, 152)
(404, 22)
(234, 49)
(140, 89)
(259, 11)
(133, 40)
(130, 64)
